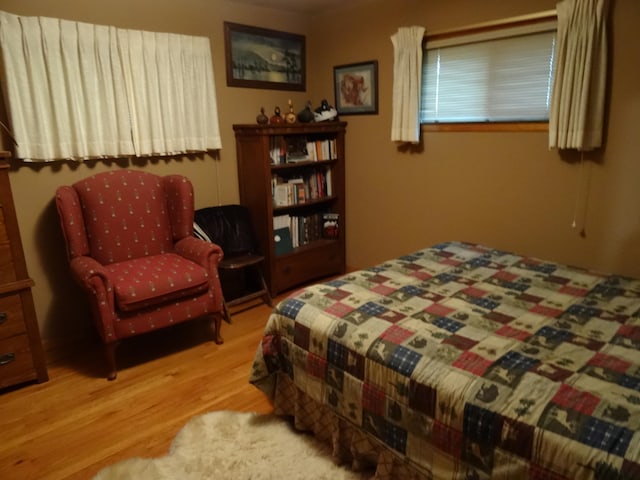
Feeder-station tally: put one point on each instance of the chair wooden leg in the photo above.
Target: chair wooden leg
(216, 326)
(226, 312)
(267, 296)
(110, 354)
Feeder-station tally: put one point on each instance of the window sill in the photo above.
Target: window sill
(486, 127)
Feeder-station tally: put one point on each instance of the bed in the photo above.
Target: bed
(460, 361)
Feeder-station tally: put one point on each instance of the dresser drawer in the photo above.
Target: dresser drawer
(16, 362)
(11, 317)
(292, 270)
(7, 268)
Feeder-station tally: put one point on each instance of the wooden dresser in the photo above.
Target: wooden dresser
(21, 355)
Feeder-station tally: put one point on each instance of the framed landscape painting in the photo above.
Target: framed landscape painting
(262, 58)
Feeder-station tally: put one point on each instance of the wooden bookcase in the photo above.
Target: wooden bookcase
(276, 154)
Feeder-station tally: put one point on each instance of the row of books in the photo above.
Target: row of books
(292, 231)
(301, 189)
(292, 149)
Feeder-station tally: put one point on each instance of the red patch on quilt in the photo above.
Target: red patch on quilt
(373, 399)
(396, 335)
(316, 366)
(474, 292)
(460, 342)
(506, 276)
(473, 363)
(546, 311)
(439, 310)
(607, 361)
(510, 332)
(577, 400)
(499, 317)
(447, 439)
(575, 291)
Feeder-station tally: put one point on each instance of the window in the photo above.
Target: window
(496, 75)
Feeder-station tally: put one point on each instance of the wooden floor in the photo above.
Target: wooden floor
(78, 422)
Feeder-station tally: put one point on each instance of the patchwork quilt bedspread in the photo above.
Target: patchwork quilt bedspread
(472, 363)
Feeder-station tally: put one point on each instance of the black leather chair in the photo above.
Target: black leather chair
(230, 227)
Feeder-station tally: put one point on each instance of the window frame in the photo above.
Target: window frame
(482, 28)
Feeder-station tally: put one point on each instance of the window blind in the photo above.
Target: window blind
(481, 79)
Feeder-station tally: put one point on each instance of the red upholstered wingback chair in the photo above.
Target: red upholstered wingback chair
(130, 244)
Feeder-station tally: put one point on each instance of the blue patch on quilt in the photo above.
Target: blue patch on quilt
(518, 286)
(484, 302)
(606, 292)
(446, 278)
(291, 307)
(412, 290)
(518, 362)
(547, 268)
(378, 269)
(403, 360)
(373, 309)
(478, 262)
(605, 436)
(394, 436)
(482, 425)
(336, 283)
(337, 354)
(629, 382)
(448, 324)
(583, 311)
(555, 334)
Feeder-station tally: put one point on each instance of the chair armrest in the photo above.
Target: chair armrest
(93, 279)
(86, 270)
(209, 256)
(203, 253)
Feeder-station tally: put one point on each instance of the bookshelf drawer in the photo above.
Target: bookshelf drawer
(291, 270)
(16, 362)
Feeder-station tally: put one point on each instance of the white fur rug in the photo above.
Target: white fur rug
(239, 446)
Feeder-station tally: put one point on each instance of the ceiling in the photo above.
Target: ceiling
(300, 6)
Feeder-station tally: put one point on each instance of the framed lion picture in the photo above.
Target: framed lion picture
(356, 88)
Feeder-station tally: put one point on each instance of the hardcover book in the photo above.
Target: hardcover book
(330, 223)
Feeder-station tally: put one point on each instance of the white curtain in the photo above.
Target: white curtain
(407, 80)
(77, 91)
(577, 105)
(171, 89)
(65, 89)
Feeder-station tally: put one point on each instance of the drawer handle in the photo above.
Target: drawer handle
(7, 358)
(3, 317)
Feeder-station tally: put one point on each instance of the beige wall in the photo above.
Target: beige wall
(504, 189)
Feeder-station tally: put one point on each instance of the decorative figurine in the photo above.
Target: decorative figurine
(262, 118)
(290, 117)
(325, 112)
(306, 115)
(276, 117)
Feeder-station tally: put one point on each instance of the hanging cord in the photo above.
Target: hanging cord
(216, 159)
(586, 182)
